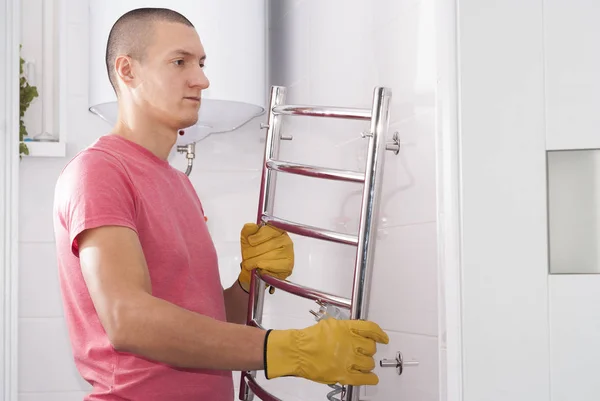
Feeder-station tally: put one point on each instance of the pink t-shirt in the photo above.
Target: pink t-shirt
(117, 182)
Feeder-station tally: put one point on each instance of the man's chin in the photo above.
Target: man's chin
(188, 122)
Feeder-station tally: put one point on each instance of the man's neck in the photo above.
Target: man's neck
(158, 140)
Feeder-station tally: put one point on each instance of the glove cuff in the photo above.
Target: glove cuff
(266, 369)
(281, 353)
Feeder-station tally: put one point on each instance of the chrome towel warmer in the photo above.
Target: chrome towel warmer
(371, 179)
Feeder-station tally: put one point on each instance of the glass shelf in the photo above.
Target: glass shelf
(214, 117)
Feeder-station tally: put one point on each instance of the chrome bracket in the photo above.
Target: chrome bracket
(327, 311)
(397, 363)
(394, 144)
(282, 137)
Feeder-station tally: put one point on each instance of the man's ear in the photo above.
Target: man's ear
(125, 70)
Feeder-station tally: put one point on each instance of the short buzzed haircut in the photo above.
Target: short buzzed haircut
(132, 33)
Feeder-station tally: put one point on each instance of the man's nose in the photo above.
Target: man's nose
(199, 79)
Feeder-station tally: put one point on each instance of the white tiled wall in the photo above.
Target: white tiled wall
(333, 53)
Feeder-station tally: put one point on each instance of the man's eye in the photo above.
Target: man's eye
(201, 65)
(178, 62)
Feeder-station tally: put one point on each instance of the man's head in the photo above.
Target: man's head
(154, 59)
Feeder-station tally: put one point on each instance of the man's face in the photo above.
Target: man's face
(170, 78)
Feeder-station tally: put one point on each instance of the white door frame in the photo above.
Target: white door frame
(9, 197)
(448, 198)
(492, 237)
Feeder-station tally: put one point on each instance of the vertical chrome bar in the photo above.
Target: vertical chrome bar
(265, 205)
(268, 179)
(244, 392)
(367, 231)
(252, 289)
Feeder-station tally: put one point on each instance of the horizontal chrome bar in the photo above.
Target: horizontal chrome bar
(323, 111)
(257, 389)
(310, 231)
(306, 292)
(316, 172)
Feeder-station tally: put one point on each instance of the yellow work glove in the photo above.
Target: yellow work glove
(266, 248)
(332, 351)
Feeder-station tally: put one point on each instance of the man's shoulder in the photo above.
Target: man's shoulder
(91, 165)
(91, 170)
(92, 159)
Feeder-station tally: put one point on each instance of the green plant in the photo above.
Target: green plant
(28, 93)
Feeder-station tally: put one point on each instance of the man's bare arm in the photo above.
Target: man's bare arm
(236, 303)
(116, 274)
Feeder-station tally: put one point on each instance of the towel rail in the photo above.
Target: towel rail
(316, 172)
(364, 240)
(310, 231)
(306, 292)
(323, 111)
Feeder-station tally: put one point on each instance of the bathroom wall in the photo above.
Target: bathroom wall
(332, 53)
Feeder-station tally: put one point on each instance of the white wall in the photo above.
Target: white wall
(328, 53)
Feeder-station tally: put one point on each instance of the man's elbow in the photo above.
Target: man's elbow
(119, 325)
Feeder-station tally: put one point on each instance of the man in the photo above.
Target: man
(147, 316)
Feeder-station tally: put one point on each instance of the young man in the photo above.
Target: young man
(147, 316)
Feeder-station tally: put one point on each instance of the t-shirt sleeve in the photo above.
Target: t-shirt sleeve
(94, 190)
